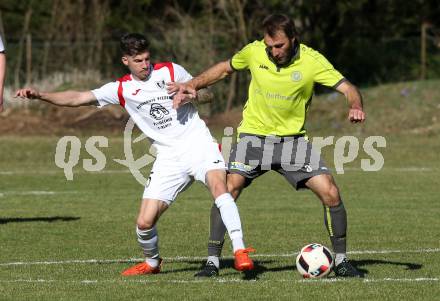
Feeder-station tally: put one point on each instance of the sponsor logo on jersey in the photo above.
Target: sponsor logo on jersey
(263, 67)
(166, 97)
(157, 111)
(135, 92)
(145, 103)
(148, 101)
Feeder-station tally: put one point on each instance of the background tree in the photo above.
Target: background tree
(370, 41)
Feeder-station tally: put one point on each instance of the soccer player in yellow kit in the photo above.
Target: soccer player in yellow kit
(272, 134)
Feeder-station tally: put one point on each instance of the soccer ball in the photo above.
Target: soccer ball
(314, 261)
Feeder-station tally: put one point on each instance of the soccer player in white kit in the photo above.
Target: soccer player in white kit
(185, 147)
(2, 71)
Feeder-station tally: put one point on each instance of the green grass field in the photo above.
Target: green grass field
(65, 240)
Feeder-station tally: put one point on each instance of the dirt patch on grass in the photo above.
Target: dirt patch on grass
(47, 120)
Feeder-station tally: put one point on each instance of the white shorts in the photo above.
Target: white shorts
(173, 172)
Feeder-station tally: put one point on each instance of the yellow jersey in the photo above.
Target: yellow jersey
(279, 96)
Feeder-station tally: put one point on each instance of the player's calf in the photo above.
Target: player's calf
(149, 242)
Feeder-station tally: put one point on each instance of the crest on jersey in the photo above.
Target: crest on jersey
(157, 111)
(296, 76)
(161, 84)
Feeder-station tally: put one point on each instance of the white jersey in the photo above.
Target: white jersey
(151, 107)
(2, 47)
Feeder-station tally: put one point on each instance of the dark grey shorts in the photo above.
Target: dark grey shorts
(293, 157)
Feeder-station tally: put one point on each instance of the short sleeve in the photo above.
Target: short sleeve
(325, 74)
(2, 46)
(180, 74)
(241, 59)
(107, 94)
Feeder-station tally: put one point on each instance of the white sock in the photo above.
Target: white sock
(339, 258)
(237, 244)
(149, 242)
(215, 260)
(229, 213)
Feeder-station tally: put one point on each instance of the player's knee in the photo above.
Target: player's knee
(217, 183)
(145, 224)
(218, 188)
(233, 190)
(330, 197)
(235, 185)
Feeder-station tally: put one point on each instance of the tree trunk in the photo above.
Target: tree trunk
(27, 19)
(210, 42)
(49, 37)
(242, 31)
(28, 59)
(100, 13)
(2, 29)
(238, 7)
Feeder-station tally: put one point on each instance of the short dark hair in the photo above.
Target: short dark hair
(134, 43)
(279, 22)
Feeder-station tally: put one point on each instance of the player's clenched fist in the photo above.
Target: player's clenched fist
(27, 93)
(356, 115)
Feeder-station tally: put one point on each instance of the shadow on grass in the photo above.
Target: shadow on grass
(48, 219)
(259, 268)
(360, 264)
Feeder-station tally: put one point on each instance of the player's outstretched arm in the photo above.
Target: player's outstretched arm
(187, 91)
(354, 98)
(65, 98)
(211, 75)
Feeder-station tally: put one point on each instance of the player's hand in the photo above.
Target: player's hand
(356, 115)
(184, 94)
(173, 87)
(27, 93)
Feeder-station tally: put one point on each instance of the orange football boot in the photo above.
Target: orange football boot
(242, 262)
(142, 268)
